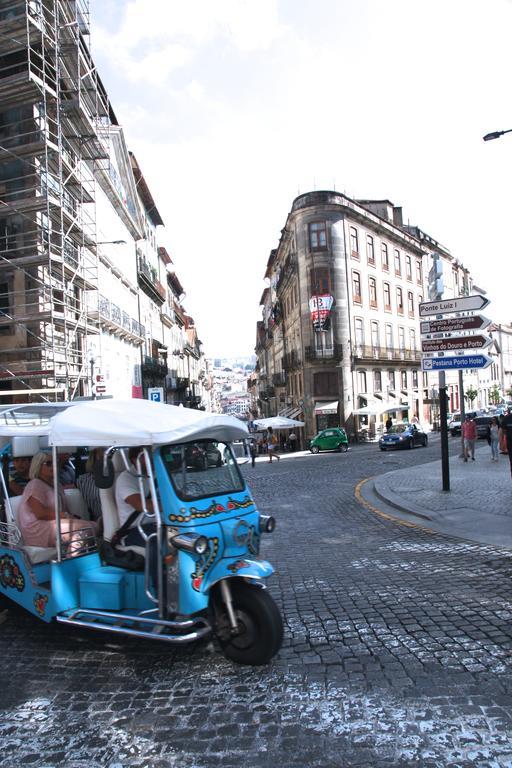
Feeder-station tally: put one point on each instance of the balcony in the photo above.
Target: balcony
(148, 281)
(365, 352)
(279, 379)
(335, 352)
(291, 361)
(154, 366)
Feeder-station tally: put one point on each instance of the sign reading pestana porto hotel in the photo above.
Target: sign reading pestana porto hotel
(460, 304)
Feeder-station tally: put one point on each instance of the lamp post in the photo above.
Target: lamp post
(495, 134)
(92, 361)
(111, 242)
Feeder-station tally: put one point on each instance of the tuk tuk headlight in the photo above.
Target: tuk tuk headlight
(267, 524)
(190, 542)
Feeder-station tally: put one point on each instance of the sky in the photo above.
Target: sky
(234, 107)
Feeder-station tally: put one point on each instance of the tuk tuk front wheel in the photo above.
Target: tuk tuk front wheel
(260, 626)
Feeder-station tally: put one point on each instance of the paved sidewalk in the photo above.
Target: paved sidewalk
(477, 507)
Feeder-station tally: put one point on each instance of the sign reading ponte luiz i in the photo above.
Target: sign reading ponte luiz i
(460, 304)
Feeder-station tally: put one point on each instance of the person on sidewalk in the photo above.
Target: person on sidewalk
(469, 435)
(506, 425)
(272, 445)
(493, 438)
(253, 450)
(292, 441)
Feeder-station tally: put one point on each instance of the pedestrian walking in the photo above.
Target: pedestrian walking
(389, 423)
(292, 440)
(469, 435)
(272, 445)
(506, 425)
(493, 438)
(502, 436)
(253, 449)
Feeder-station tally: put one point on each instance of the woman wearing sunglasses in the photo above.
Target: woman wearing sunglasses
(36, 516)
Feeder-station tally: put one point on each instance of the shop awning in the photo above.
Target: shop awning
(324, 409)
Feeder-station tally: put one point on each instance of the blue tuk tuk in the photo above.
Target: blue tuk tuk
(199, 569)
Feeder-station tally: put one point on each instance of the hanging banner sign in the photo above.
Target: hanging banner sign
(320, 308)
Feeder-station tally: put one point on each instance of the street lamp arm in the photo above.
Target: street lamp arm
(495, 134)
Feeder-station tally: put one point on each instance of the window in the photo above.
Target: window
(325, 383)
(412, 336)
(408, 268)
(354, 245)
(320, 281)
(403, 380)
(377, 381)
(399, 301)
(419, 272)
(415, 379)
(389, 336)
(410, 303)
(401, 338)
(359, 331)
(387, 297)
(317, 235)
(372, 288)
(374, 327)
(384, 256)
(398, 262)
(391, 379)
(356, 287)
(370, 249)
(361, 381)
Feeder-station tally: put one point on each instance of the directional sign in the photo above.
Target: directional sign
(453, 363)
(455, 324)
(457, 342)
(446, 306)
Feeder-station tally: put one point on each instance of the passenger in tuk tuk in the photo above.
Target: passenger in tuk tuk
(130, 504)
(19, 477)
(36, 515)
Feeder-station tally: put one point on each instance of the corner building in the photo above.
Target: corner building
(339, 340)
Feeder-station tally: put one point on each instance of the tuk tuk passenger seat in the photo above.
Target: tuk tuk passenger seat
(109, 510)
(35, 554)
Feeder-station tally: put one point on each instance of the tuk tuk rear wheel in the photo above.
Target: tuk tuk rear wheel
(259, 622)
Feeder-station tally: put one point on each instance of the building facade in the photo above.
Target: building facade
(339, 340)
(89, 302)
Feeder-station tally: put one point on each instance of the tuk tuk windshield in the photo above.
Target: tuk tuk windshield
(202, 468)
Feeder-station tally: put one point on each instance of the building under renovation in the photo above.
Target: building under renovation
(85, 289)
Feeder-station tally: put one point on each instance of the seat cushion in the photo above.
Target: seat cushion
(40, 554)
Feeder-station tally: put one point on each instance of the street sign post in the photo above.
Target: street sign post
(462, 362)
(455, 343)
(455, 324)
(447, 306)
(156, 394)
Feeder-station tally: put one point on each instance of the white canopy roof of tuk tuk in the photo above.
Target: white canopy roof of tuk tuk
(137, 422)
(117, 422)
(277, 422)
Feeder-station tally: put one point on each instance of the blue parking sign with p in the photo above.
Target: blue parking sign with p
(156, 394)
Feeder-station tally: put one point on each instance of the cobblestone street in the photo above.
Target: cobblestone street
(397, 652)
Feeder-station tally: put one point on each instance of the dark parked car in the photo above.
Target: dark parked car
(403, 436)
(482, 424)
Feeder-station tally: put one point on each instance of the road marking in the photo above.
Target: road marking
(386, 515)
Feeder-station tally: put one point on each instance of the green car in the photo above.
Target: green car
(332, 439)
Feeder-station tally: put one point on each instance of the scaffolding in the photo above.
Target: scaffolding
(54, 133)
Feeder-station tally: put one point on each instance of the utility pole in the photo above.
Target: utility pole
(435, 292)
